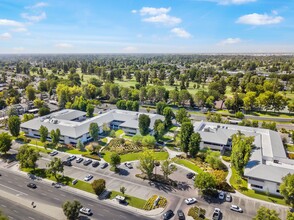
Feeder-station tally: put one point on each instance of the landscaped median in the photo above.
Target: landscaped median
(81, 185)
(241, 185)
(188, 164)
(155, 202)
(134, 156)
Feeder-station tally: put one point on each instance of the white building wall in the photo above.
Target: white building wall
(267, 186)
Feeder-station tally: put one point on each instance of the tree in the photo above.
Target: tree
(115, 160)
(55, 166)
(123, 190)
(167, 168)
(160, 106)
(194, 144)
(241, 151)
(287, 189)
(14, 125)
(290, 215)
(71, 209)
(186, 132)
(147, 163)
(55, 136)
(181, 115)
(205, 181)
(44, 111)
(144, 123)
(94, 131)
(80, 145)
(105, 128)
(264, 213)
(27, 157)
(158, 129)
(90, 110)
(38, 103)
(148, 141)
(98, 186)
(5, 142)
(30, 93)
(43, 133)
(27, 117)
(168, 116)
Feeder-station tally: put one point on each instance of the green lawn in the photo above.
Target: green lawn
(241, 184)
(36, 142)
(65, 180)
(134, 156)
(133, 201)
(188, 164)
(41, 149)
(173, 128)
(118, 133)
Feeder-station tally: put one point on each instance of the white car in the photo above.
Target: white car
(86, 211)
(88, 177)
(190, 201)
(53, 153)
(236, 208)
(221, 195)
(129, 165)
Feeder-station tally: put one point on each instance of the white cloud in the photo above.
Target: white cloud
(158, 15)
(164, 19)
(5, 36)
(259, 19)
(230, 41)
(12, 23)
(64, 45)
(180, 32)
(154, 11)
(130, 49)
(38, 5)
(234, 2)
(134, 11)
(34, 18)
(18, 49)
(20, 29)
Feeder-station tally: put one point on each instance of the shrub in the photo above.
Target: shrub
(291, 155)
(197, 213)
(98, 186)
(226, 158)
(161, 203)
(92, 156)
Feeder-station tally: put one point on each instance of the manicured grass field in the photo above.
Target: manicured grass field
(118, 133)
(241, 184)
(188, 164)
(135, 156)
(133, 201)
(290, 148)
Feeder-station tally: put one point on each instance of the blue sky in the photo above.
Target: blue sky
(146, 26)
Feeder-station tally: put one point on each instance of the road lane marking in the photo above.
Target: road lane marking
(14, 189)
(62, 195)
(15, 211)
(10, 217)
(90, 205)
(56, 199)
(44, 194)
(31, 218)
(4, 206)
(50, 190)
(9, 181)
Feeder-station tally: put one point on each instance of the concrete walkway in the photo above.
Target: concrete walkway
(172, 153)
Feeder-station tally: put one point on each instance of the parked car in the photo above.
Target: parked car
(71, 158)
(56, 185)
(86, 211)
(221, 195)
(129, 165)
(168, 215)
(190, 201)
(190, 175)
(236, 208)
(216, 214)
(95, 164)
(87, 162)
(32, 185)
(104, 165)
(66, 163)
(79, 160)
(181, 215)
(74, 182)
(53, 153)
(88, 177)
(228, 197)
(156, 163)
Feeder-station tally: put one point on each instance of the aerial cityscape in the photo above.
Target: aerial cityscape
(127, 109)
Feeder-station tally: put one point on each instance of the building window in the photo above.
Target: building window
(256, 186)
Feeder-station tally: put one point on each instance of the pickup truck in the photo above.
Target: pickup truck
(216, 214)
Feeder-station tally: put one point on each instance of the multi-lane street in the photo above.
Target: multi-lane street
(45, 193)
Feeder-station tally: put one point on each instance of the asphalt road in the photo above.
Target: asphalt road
(14, 211)
(45, 193)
